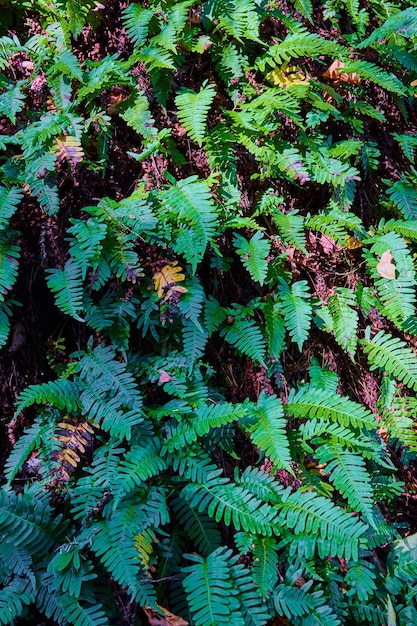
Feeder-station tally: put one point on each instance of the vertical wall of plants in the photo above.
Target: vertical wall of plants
(208, 312)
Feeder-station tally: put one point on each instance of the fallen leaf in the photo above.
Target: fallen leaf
(166, 281)
(385, 267)
(166, 619)
(164, 377)
(334, 74)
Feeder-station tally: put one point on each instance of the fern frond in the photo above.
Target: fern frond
(253, 254)
(350, 477)
(297, 310)
(392, 355)
(233, 504)
(67, 286)
(296, 45)
(87, 244)
(403, 195)
(12, 100)
(397, 293)
(275, 328)
(190, 203)
(265, 562)
(76, 613)
(319, 517)
(335, 224)
(139, 464)
(291, 228)
(136, 21)
(267, 428)
(101, 369)
(361, 580)
(193, 108)
(9, 264)
(203, 419)
(61, 393)
(295, 603)
(399, 421)
(370, 71)
(13, 597)
(403, 22)
(210, 590)
(312, 402)
(345, 318)
(245, 336)
(200, 528)
(408, 144)
(304, 7)
(114, 545)
(139, 116)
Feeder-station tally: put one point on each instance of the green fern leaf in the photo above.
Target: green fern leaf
(349, 476)
(291, 228)
(304, 7)
(403, 195)
(114, 545)
(210, 590)
(297, 310)
(81, 615)
(9, 264)
(233, 504)
(296, 45)
(370, 71)
(13, 597)
(275, 328)
(399, 420)
(136, 20)
(67, 286)
(254, 254)
(199, 527)
(402, 22)
(190, 203)
(139, 116)
(12, 100)
(392, 355)
(193, 109)
(267, 427)
(245, 336)
(319, 517)
(265, 560)
(408, 144)
(398, 293)
(345, 318)
(194, 342)
(311, 402)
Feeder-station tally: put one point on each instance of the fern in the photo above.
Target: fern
(67, 286)
(392, 355)
(318, 516)
(136, 20)
(266, 424)
(397, 293)
(13, 597)
(210, 589)
(403, 195)
(312, 402)
(296, 309)
(190, 203)
(297, 45)
(345, 319)
(245, 336)
(254, 255)
(349, 476)
(9, 264)
(193, 108)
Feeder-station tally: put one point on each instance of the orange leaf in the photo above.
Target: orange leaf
(166, 281)
(165, 618)
(335, 74)
(385, 267)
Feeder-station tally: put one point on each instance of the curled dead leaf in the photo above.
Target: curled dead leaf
(385, 267)
(334, 73)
